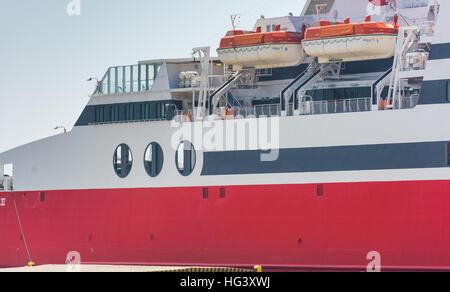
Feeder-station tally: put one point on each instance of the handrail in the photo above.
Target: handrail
(311, 66)
(293, 82)
(374, 85)
(6, 183)
(223, 86)
(306, 82)
(335, 106)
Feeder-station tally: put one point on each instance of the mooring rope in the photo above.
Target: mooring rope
(21, 229)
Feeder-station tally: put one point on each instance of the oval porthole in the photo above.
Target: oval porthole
(123, 160)
(185, 158)
(153, 159)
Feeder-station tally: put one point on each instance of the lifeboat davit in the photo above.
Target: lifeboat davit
(261, 50)
(345, 42)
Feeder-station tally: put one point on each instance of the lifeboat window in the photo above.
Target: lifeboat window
(123, 160)
(153, 159)
(185, 158)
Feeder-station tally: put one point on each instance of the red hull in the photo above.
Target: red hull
(278, 226)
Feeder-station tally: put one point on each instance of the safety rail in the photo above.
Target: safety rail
(304, 108)
(246, 112)
(258, 111)
(335, 106)
(414, 61)
(291, 91)
(6, 184)
(168, 118)
(409, 101)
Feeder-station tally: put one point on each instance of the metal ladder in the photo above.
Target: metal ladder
(406, 38)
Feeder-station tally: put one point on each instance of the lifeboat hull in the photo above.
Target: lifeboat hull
(351, 48)
(263, 56)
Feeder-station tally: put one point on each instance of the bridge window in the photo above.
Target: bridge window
(125, 79)
(145, 111)
(123, 160)
(102, 115)
(131, 112)
(185, 158)
(115, 113)
(153, 159)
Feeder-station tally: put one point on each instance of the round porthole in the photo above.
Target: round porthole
(185, 158)
(123, 160)
(153, 159)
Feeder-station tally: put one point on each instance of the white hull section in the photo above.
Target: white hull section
(351, 48)
(263, 56)
(83, 158)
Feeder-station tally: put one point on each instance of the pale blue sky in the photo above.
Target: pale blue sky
(47, 55)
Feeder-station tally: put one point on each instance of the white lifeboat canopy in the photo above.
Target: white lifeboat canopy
(261, 50)
(345, 42)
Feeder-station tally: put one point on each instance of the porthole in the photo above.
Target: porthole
(185, 158)
(153, 159)
(123, 160)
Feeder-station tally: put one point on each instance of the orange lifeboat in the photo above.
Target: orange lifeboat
(345, 42)
(261, 50)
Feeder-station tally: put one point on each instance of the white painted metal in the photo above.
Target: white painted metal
(82, 159)
(263, 56)
(351, 48)
(204, 54)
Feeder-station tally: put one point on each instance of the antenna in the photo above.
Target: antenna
(235, 18)
(319, 8)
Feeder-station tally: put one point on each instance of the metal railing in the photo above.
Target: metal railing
(409, 101)
(184, 116)
(335, 106)
(6, 183)
(304, 108)
(258, 111)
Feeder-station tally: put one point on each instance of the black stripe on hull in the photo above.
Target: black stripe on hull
(342, 158)
(434, 92)
(440, 51)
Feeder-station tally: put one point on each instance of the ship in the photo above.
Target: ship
(312, 142)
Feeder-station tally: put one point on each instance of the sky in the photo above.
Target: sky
(47, 54)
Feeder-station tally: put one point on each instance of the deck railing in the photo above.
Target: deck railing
(409, 101)
(304, 108)
(6, 183)
(335, 106)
